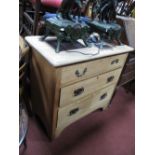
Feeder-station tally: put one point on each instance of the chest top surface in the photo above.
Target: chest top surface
(66, 57)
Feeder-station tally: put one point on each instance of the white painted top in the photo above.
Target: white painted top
(71, 56)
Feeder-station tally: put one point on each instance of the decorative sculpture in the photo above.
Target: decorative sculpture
(70, 7)
(65, 25)
(68, 26)
(104, 20)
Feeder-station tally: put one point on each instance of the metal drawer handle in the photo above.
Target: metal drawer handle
(74, 111)
(110, 79)
(103, 96)
(115, 61)
(79, 91)
(78, 74)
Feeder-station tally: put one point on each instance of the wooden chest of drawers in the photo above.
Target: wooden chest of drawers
(63, 94)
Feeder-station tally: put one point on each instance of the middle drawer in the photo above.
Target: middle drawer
(78, 90)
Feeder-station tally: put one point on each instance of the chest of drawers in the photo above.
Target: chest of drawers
(62, 94)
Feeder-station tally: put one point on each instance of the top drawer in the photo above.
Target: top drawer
(78, 72)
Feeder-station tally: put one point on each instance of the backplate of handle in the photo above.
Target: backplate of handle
(78, 74)
(115, 61)
(73, 111)
(78, 91)
(110, 79)
(102, 97)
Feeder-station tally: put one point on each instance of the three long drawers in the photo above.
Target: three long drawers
(86, 87)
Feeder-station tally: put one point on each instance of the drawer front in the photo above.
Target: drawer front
(76, 91)
(78, 72)
(61, 125)
(107, 79)
(116, 61)
(72, 112)
(84, 106)
(103, 95)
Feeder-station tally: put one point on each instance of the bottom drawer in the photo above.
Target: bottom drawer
(77, 110)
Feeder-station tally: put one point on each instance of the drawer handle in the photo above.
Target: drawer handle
(115, 61)
(103, 96)
(78, 74)
(110, 79)
(74, 111)
(79, 91)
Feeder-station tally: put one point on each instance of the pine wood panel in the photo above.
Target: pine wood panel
(116, 61)
(53, 89)
(102, 95)
(74, 111)
(78, 90)
(78, 72)
(44, 92)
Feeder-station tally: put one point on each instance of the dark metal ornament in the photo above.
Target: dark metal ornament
(66, 30)
(65, 26)
(104, 20)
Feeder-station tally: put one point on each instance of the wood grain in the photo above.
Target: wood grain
(83, 105)
(60, 97)
(89, 86)
(93, 68)
(43, 92)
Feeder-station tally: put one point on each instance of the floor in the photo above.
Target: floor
(109, 132)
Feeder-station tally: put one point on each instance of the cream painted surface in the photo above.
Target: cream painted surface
(46, 49)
